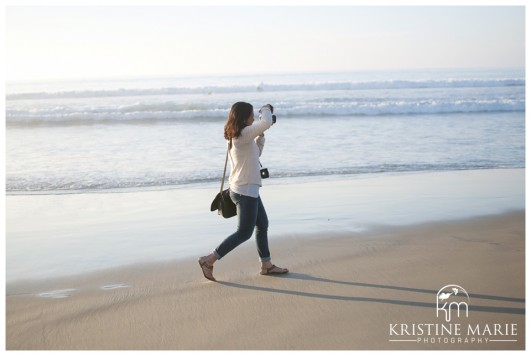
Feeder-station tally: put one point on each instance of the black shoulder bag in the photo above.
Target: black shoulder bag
(222, 202)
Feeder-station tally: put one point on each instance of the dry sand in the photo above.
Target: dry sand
(343, 293)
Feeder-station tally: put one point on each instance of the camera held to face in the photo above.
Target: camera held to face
(274, 117)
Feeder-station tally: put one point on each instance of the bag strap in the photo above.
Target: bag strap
(229, 144)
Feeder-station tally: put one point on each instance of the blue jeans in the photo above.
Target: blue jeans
(251, 217)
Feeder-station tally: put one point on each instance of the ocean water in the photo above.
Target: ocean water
(349, 151)
(161, 133)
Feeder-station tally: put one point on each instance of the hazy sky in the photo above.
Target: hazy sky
(96, 42)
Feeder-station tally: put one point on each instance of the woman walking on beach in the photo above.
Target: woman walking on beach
(247, 142)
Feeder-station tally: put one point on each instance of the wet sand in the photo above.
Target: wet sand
(351, 291)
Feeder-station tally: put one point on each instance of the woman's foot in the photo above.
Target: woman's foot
(269, 268)
(206, 267)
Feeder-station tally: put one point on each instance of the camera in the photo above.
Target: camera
(274, 117)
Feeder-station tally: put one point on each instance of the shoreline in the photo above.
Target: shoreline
(73, 234)
(272, 181)
(343, 292)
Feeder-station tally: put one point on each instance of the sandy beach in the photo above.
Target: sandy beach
(352, 291)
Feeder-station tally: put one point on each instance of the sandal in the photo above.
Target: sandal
(273, 270)
(207, 269)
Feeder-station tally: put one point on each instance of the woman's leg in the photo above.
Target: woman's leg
(262, 224)
(251, 216)
(247, 209)
(262, 244)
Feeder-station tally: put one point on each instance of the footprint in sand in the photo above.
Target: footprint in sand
(114, 286)
(57, 294)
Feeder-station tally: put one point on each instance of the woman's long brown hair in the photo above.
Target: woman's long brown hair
(239, 113)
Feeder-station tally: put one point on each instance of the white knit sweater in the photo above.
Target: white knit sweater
(246, 150)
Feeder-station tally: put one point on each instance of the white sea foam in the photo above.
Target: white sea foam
(175, 111)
